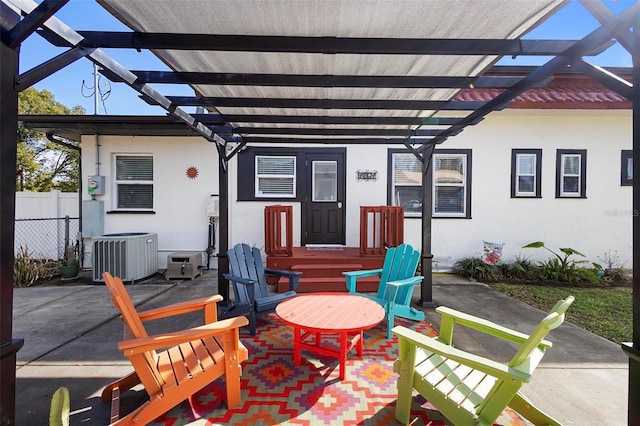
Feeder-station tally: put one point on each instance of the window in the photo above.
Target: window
(285, 174)
(626, 168)
(571, 170)
(134, 182)
(275, 176)
(407, 183)
(526, 172)
(324, 181)
(451, 183)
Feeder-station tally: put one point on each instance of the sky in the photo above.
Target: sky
(74, 85)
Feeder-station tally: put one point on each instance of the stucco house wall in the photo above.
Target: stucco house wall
(599, 223)
(595, 225)
(179, 215)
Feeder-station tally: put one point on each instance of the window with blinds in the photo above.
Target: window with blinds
(571, 173)
(134, 182)
(570, 184)
(526, 172)
(450, 183)
(407, 183)
(626, 167)
(275, 176)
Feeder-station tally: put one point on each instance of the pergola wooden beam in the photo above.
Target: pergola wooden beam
(318, 80)
(31, 22)
(383, 104)
(325, 119)
(325, 45)
(304, 131)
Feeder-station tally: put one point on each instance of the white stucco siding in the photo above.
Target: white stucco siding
(592, 225)
(363, 192)
(247, 223)
(595, 225)
(179, 203)
(246, 217)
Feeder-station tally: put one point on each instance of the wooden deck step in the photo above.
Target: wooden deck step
(322, 269)
(325, 270)
(330, 284)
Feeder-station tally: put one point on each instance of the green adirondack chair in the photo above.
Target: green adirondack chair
(468, 389)
(397, 279)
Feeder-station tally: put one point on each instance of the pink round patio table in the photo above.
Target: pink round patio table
(344, 314)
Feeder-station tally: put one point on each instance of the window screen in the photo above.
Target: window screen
(449, 179)
(526, 171)
(626, 167)
(134, 182)
(407, 183)
(570, 184)
(571, 173)
(275, 176)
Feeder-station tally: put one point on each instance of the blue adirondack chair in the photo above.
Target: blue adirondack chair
(397, 279)
(249, 278)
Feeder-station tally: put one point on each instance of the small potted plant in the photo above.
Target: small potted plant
(70, 267)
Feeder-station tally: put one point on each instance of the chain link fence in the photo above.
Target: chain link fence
(46, 238)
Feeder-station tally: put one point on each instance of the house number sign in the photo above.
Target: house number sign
(367, 174)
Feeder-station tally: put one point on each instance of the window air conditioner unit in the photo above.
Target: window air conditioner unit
(130, 256)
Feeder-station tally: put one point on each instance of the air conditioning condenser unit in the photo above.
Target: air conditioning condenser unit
(131, 256)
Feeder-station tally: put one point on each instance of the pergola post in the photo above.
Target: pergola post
(633, 349)
(223, 229)
(426, 287)
(8, 146)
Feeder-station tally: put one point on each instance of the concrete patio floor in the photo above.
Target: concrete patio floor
(71, 331)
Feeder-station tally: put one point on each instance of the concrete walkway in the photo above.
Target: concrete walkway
(71, 331)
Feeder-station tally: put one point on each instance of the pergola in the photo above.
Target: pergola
(311, 72)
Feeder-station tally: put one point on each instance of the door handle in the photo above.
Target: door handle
(339, 204)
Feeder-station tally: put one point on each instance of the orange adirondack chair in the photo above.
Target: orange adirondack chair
(173, 366)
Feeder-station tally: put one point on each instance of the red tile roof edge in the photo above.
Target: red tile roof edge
(572, 91)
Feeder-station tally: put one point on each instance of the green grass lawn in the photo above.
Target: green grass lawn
(605, 311)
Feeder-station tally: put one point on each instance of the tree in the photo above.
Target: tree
(43, 165)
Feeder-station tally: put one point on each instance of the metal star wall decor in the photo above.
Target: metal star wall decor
(192, 172)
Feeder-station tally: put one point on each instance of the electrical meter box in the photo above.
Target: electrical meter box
(92, 218)
(95, 186)
(184, 265)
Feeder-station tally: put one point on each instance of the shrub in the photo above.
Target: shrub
(589, 275)
(617, 275)
(614, 269)
(476, 269)
(27, 271)
(556, 270)
(562, 268)
(521, 269)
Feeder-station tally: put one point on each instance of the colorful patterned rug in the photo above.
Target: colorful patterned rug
(276, 392)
